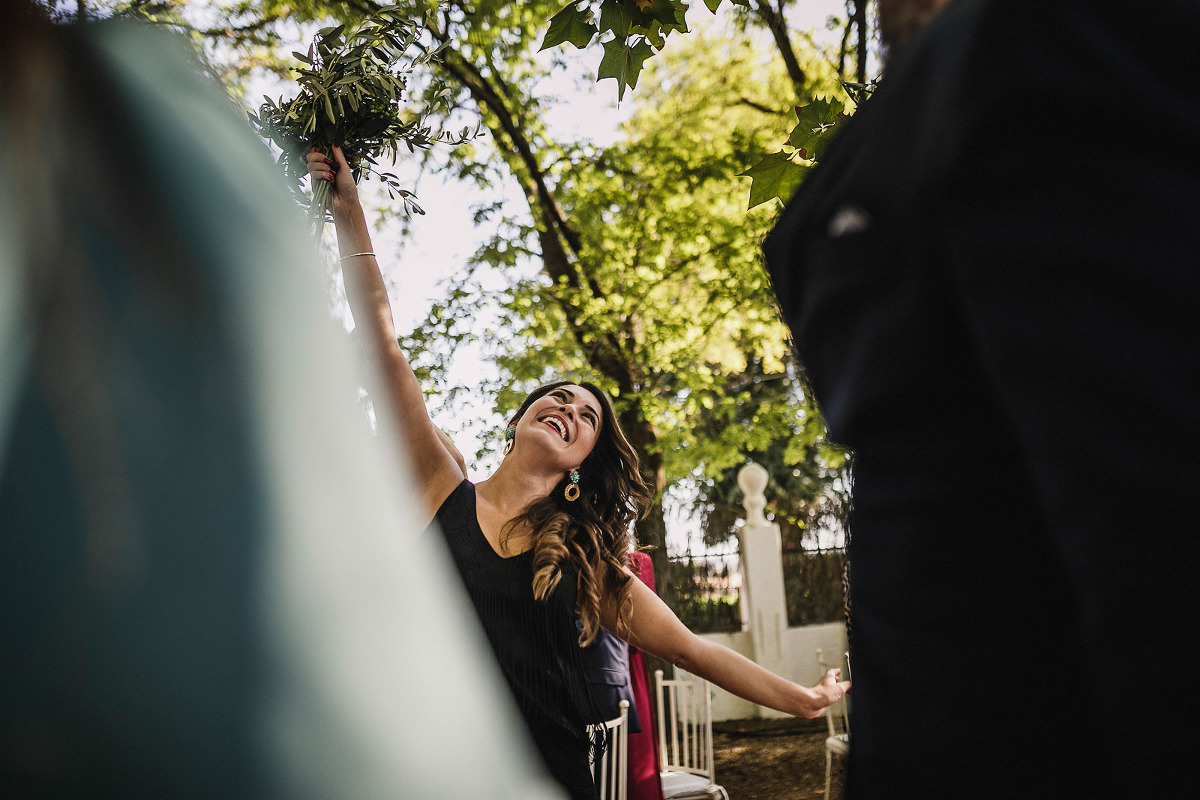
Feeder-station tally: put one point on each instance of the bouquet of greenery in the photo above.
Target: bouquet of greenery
(353, 87)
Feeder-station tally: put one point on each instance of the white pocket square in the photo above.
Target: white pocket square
(848, 220)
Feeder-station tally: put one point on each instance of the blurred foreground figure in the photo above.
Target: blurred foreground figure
(993, 282)
(209, 585)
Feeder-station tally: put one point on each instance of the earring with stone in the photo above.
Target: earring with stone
(572, 490)
(510, 436)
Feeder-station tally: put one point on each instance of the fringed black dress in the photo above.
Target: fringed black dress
(535, 642)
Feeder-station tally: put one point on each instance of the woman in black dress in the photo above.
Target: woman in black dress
(544, 538)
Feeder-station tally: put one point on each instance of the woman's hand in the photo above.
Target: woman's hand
(343, 195)
(831, 689)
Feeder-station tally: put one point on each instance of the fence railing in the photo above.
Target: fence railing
(812, 586)
(702, 590)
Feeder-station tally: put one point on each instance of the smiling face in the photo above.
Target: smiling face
(563, 424)
(561, 427)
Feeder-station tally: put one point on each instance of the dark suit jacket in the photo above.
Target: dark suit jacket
(607, 663)
(993, 280)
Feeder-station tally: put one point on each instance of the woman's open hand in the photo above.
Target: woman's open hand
(343, 195)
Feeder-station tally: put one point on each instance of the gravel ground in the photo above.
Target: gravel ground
(773, 759)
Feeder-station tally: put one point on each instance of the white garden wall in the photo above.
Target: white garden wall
(766, 639)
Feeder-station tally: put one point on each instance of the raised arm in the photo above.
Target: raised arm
(434, 466)
(655, 629)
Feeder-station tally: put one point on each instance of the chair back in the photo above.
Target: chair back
(611, 773)
(685, 741)
(838, 714)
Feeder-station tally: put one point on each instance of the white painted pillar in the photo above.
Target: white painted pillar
(763, 602)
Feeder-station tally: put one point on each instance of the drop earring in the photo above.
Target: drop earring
(572, 490)
(510, 436)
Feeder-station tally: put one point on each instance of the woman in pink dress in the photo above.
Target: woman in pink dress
(644, 783)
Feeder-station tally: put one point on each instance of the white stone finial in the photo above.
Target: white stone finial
(752, 480)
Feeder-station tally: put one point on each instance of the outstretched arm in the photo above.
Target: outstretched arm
(655, 629)
(434, 466)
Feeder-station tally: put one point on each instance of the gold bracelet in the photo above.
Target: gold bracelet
(356, 255)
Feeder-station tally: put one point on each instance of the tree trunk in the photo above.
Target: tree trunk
(652, 529)
(652, 532)
(860, 21)
(559, 242)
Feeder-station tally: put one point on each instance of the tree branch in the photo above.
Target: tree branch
(606, 352)
(240, 31)
(860, 20)
(489, 98)
(757, 106)
(777, 24)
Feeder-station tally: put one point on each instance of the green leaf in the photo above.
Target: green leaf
(667, 15)
(326, 35)
(302, 57)
(624, 63)
(654, 34)
(615, 17)
(813, 132)
(713, 5)
(570, 25)
(776, 175)
(680, 17)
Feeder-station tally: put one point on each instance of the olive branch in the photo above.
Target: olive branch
(354, 92)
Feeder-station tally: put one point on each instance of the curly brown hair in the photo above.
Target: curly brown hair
(592, 534)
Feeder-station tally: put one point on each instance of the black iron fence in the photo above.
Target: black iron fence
(812, 585)
(702, 590)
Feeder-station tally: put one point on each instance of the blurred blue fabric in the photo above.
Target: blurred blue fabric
(210, 581)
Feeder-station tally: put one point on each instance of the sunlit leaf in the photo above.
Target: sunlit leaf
(776, 176)
(615, 17)
(816, 122)
(570, 25)
(623, 62)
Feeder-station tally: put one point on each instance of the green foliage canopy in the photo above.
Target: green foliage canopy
(670, 271)
(635, 264)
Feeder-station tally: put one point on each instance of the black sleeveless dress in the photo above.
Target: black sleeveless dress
(535, 643)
